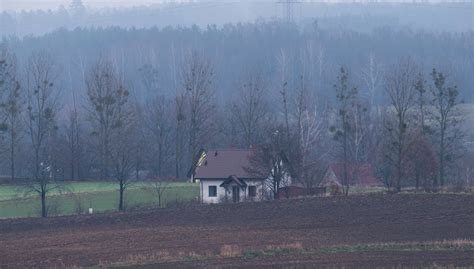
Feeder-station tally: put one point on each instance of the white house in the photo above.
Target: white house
(223, 176)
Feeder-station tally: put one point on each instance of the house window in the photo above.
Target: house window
(252, 191)
(212, 191)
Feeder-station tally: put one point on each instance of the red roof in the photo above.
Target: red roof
(222, 163)
(362, 175)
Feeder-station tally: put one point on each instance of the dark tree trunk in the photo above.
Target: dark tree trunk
(44, 212)
(345, 179)
(441, 160)
(121, 193)
(417, 181)
(73, 174)
(12, 160)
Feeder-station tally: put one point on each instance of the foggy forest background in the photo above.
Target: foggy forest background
(179, 77)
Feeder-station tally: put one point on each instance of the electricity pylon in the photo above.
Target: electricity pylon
(289, 8)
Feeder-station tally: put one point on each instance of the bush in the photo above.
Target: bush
(79, 203)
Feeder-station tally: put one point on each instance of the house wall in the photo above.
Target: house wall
(260, 190)
(221, 191)
(205, 191)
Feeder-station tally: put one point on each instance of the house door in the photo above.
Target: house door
(235, 194)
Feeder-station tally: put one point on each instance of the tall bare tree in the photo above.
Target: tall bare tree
(41, 113)
(73, 133)
(111, 116)
(346, 97)
(249, 109)
(421, 101)
(106, 95)
(400, 89)
(180, 116)
(12, 103)
(124, 142)
(284, 65)
(447, 119)
(308, 152)
(197, 82)
(179, 123)
(157, 119)
(159, 123)
(372, 76)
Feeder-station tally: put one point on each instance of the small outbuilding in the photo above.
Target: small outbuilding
(357, 175)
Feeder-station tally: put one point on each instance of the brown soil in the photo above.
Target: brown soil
(382, 259)
(172, 237)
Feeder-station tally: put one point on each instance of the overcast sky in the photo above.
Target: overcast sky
(53, 4)
(18, 5)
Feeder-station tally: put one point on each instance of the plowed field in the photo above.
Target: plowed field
(246, 234)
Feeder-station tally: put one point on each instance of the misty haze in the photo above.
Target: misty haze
(236, 134)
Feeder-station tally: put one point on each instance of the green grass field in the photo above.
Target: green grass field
(101, 196)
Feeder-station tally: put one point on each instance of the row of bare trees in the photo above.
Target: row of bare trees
(107, 133)
(414, 138)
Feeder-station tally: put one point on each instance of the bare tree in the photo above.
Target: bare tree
(400, 89)
(283, 61)
(366, 112)
(143, 145)
(112, 117)
(197, 79)
(157, 119)
(269, 161)
(42, 109)
(360, 126)
(249, 110)
(382, 147)
(421, 101)
(180, 116)
(158, 122)
(11, 105)
(73, 131)
(106, 95)
(372, 76)
(158, 187)
(307, 156)
(346, 99)
(179, 123)
(447, 121)
(123, 148)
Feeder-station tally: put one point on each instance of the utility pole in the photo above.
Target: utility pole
(289, 9)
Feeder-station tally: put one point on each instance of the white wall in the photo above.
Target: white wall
(204, 191)
(259, 184)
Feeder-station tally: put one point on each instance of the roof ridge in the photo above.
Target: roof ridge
(224, 149)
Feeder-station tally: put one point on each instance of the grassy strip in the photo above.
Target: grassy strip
(458, 245)
(100, 201)
(234, 251)
(10, 192)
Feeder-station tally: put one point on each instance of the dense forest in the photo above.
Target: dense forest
(136, 103)
(361, 15)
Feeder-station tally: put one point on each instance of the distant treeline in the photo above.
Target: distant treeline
(362, 16)
(235, 50)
